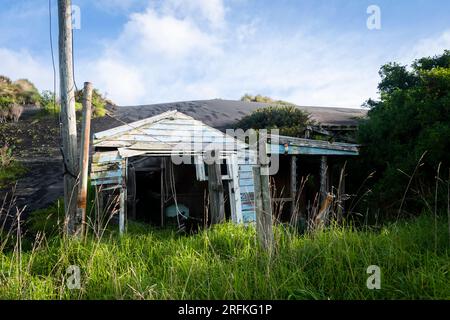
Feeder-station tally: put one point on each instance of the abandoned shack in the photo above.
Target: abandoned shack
(158, 168)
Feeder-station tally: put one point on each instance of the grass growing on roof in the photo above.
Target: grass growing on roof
(224, 263)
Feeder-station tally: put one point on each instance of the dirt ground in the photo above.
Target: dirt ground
(35, 143)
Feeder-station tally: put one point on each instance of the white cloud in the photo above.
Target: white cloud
(432, 46)
(168, 53)
(119, 81)
(183, 51)
(21, 64)
(213, 11)
(164, 34)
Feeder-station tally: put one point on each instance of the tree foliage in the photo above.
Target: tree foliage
(288, 119)
(98, 102)
(411, 120)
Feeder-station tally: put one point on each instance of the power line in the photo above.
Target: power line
(52, 53)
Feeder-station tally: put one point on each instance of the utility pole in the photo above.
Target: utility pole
(84, 158)
(68, 117)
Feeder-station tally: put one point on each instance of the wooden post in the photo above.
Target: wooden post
(122, 210)
(123, 197)
(323, 178)
(68, 118)
(132, 190)
(293, 182)
(84, 158)
(216, 198)
(262, 198)
(341, 193)
(162, 195)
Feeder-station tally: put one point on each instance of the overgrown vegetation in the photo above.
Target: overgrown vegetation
(288, 119)
(225, 263)
(10, 169)
(406, 136)
(52, 106)
(21, 91)
(16, 95)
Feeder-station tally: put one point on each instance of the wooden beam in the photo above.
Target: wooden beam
(263, 203)
(132, 190)
(236, 190)
(323, 177)
(341, 193)
(162, 190)
(122, 211)
(123, 198)
(263, 209)
(293, 181)
(216, 197)
(84, 159)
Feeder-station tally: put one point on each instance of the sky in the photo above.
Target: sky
(309, 52)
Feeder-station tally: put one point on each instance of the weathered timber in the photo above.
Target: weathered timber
(293, 181)
(216, 197)
(262, 197)
(84, 160)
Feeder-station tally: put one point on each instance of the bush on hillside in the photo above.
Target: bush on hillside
(9, 110)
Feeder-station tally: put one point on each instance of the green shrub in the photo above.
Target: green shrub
(409, 123)
(98, 103)
(289, 120)
(49, 104)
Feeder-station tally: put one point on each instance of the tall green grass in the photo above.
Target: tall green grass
(225, 263)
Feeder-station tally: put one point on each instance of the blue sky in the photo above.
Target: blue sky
(310, 52)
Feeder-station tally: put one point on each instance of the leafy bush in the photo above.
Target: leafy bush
(49, 104)
(26, 92)
(289, 120)
(98, 102)
(412, 120)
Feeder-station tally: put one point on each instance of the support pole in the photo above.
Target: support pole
(323, 178)
(262, 197)
(162, 195)
(122, 211)
(216, 198)
(123, 197)
(293, 182)
(341, 193)
(84, 158)
(132, 190)
(68, 118)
